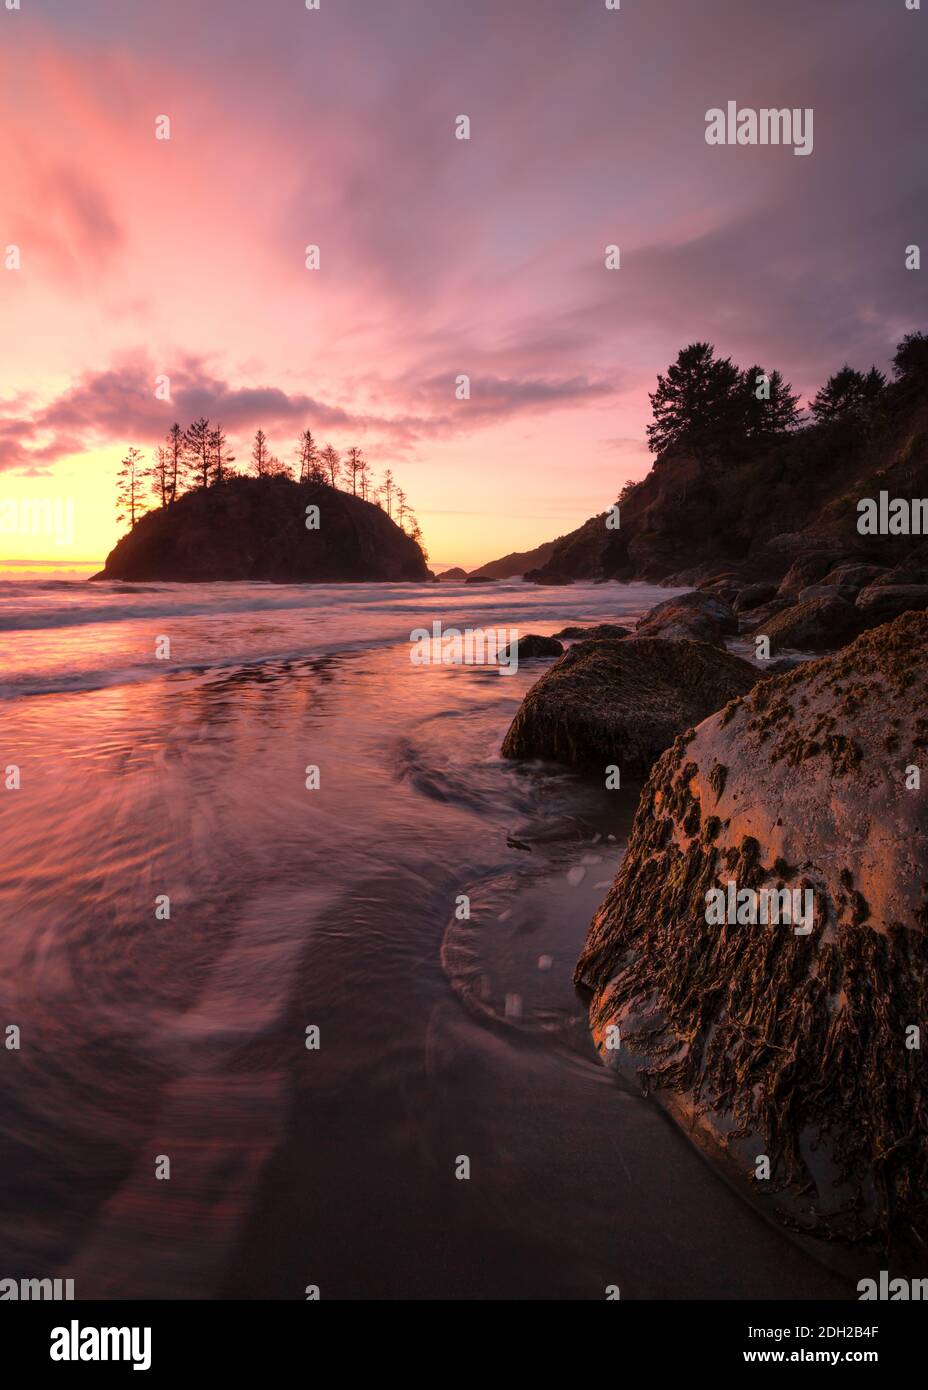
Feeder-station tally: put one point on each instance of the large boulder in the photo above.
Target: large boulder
(816, 626)
(696, 617)
(880, 602)
(763, 1040)
(623, 702)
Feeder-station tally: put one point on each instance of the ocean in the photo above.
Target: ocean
(262, 1049)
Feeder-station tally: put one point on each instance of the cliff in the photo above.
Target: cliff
(757, 507)
(514, 565)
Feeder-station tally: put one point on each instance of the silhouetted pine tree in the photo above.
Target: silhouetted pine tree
(847, 393)
(198, 451)
(260, 454)
(699, 404)
(221, 460)
(331, 462)
(129, 488)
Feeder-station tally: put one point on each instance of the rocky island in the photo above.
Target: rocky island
(260, 529)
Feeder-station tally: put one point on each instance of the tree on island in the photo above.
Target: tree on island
(260, 454)
(354, 464)
(198, 458)
(130, 481)
(847, 393)
(175, 452)
(220, 460)
(389, 487)
(311, 469)
(160, 475)
(331, 462)
(198, 451)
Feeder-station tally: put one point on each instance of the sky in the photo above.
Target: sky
(143, 258)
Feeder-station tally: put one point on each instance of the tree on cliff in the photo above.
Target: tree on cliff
(698, 404)
(771, 407)
(847, 393)
(910, 364)
(198, 451)
(130, 482)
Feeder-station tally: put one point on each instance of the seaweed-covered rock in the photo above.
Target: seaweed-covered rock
(623, 702)
(531, 647)
(695, 617)
(767, 1041)
(595, 633)
(814, 626)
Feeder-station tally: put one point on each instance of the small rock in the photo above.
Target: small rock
(596, 633)
(531, 647)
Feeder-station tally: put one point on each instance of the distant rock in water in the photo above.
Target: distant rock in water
(453, 576)
(762, 1040)
(255, 528)
(531, 647)
(592, 634)
(623, 702)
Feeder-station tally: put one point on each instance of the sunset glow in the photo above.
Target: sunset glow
(143, 257)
